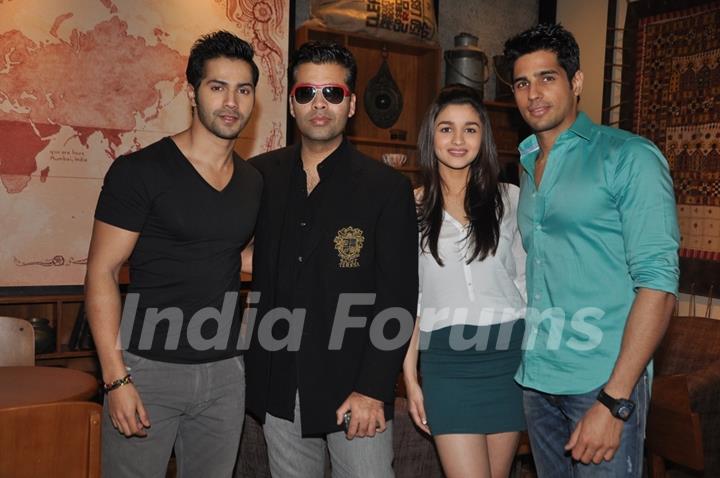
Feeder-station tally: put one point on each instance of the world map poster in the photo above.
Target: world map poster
(85, 81)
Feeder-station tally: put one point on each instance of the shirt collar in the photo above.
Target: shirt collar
(582, 127)
(328, 165)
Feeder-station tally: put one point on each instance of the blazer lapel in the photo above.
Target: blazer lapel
(278, 199)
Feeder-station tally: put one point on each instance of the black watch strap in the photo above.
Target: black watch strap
(621, 408)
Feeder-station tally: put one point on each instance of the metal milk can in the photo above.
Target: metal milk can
(466, 63)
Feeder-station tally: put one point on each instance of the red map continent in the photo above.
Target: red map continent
(17, 156)
(97, 81)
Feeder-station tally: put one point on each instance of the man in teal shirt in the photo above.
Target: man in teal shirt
(598, 220)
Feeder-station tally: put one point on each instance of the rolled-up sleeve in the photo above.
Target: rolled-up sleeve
(646, 202)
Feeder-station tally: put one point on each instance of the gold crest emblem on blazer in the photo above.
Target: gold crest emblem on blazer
(349, 242)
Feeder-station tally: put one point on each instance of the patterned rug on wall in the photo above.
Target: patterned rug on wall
(677, 106)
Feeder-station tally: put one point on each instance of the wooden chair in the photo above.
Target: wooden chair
(61, 440)
(17, 342)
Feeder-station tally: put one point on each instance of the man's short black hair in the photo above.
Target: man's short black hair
(319, 52)
(550, 37)
(219, 44)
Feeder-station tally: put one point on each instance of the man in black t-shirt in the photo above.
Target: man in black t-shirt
(180, 210)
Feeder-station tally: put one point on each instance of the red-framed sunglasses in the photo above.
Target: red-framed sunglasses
(333, 93)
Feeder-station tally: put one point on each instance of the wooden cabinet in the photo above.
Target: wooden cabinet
(61, 310)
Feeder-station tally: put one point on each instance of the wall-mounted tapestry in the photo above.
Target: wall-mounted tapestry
(677, 106)
(674, 57)
(84, 81)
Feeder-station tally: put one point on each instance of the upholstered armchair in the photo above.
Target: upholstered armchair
(684, 417)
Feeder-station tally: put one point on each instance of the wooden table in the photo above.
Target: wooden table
(21, 386)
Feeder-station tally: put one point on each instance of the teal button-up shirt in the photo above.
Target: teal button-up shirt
(602, 224)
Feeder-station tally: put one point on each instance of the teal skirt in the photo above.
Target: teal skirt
(467, 378)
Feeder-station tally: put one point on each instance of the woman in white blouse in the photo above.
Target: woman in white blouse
(472, 294)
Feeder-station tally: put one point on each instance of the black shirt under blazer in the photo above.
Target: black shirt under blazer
(364, 194)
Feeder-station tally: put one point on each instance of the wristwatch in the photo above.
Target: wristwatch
(620, 408)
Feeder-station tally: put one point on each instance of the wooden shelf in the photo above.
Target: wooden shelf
(381, 142)
(409, 169)
(65, 353)
(40, 299)
(61, 310)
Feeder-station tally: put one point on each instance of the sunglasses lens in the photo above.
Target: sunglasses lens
(304, 94)
(334, 94)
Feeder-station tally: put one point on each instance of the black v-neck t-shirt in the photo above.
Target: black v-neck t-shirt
(187, 257)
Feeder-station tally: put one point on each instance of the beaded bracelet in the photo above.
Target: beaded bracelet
(109, 387)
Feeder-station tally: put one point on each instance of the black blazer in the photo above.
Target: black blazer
(368, 197)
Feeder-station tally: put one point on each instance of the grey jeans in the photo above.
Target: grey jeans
(292, 456)
(196, 408)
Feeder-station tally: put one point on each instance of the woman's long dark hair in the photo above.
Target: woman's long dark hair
(483, 197)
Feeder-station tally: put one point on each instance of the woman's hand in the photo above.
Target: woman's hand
(416, 404)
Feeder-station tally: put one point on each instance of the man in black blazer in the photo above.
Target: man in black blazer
(335, 265)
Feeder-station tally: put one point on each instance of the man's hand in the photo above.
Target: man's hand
(368, 415)
(127, 411)
(596, 436)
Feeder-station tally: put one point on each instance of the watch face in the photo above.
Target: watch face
(623, 412)
(620, 408)
(624, 409)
